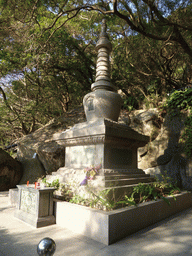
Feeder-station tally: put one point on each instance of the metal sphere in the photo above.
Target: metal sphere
(46, 247)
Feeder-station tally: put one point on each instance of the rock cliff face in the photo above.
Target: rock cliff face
(163, 154)
(40, 155)
(10, 171)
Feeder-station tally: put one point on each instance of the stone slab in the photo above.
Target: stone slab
(101, 130)
(35, 206)
(109, 227)
(84, 156)
(34, 221)
(13, 197)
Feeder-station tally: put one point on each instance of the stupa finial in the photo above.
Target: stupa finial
(104, 48)
(103, 38)
(104, 26)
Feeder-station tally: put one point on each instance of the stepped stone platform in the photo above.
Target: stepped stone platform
(105, 142)
(121, 182)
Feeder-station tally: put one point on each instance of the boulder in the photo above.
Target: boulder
(10, 171)
(163, 155)
(39, 154)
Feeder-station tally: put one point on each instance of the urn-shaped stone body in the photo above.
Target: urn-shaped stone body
(102, 104)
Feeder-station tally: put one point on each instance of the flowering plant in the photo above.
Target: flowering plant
(91, 172)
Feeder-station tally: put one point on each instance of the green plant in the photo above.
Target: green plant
(44, 180)
(144, 192)
(186, 137)
(54, 183)
(94, 200)
(152, 100)
(76, 199)
(101, 200)
(182, 101)
(127, 201)
(130, 103)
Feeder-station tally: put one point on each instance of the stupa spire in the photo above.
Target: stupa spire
(103, 101)
(104, 48)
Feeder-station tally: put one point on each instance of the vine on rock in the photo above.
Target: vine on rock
(182, 101)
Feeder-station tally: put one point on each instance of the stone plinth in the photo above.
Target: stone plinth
(35, 206)
(104, 142)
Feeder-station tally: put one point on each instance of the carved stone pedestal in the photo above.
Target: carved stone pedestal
(35, 206)
(106, 143)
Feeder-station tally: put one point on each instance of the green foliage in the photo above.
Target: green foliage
(127, 201)
(182, 101)
(99, 200)
(105, 199)
(76, 199)
(130, 103)
(147, 192)
(51, 44)
(54, 183)
(187, 136)
(142, 192)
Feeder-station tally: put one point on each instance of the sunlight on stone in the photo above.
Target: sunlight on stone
(165, 247)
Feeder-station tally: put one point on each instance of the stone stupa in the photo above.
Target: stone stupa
(102, 140)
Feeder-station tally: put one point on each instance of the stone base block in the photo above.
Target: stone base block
(13, 197)
(33, 221)
(109, 227)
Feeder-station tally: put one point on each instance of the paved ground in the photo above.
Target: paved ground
(170, 237)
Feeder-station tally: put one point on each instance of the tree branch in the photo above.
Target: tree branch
(25, 130)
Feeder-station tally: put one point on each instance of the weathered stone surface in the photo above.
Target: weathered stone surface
(144, 121)
(35, 206)
(100, 104)
(164, 154)
(52, 156)
(33, 169)
(10, 171)
(164, 145)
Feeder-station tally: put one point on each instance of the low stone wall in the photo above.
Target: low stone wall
(13, 197)
(109, 227)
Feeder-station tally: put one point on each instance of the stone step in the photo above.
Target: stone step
(130, 181)
(122, 171)
(124, 176)
(117, 192)
(119, 179)
(130, 173)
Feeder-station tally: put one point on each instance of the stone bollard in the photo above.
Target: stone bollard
(46, 247)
